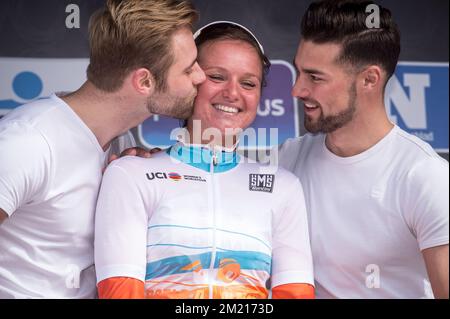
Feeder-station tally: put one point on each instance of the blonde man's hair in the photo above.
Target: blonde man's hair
(131, 34)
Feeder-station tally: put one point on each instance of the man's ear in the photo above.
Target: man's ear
(372, 77)
(143, 81)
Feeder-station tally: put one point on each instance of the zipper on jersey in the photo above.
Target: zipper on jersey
(214, 248)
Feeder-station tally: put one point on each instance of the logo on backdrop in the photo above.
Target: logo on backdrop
(27, 86)
(417, 101)
(23, 80)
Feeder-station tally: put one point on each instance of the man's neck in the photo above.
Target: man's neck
(363, 132)
(107, 115)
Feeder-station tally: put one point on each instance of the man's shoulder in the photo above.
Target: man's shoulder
(416, 151)
(32, 128)
(286, 177)
(415, 162)
(303, 142)
(32, 113)
(297, 150)
(21, 137)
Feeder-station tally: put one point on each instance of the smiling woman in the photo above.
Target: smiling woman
(209, 224)
(228, 100)
(230, 95)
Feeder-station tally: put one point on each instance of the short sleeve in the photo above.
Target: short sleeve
(291, 250)
(287, 154)
(120, 227)
(426, 199)
(25, 161)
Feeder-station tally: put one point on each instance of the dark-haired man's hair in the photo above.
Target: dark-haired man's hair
(344, 22)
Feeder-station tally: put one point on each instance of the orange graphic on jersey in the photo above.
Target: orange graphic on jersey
(219, 292)
(229, 270)
(194, 266)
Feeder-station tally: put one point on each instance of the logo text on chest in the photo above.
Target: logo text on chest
(261, 182)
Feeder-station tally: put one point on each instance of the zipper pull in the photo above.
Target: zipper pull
(214, 158)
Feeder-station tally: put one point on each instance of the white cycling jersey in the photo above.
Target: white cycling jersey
(194, 223)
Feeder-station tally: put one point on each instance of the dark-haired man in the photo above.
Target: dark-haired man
(377, 196)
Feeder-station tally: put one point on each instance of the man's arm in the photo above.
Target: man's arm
(436, 260)
(3, 215)
(23, 178)
(426, 207)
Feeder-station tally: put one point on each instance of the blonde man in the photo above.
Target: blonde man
(143, 62)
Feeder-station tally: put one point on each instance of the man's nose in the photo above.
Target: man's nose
(299, 90)
(198, 75)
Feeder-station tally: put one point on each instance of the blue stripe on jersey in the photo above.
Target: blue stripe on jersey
(249, 260)
(189, 247)
(218, 229)
(201, 157)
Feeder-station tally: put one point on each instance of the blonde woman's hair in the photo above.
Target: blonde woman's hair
(131, 34)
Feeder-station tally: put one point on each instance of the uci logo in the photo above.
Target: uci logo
(159, 175)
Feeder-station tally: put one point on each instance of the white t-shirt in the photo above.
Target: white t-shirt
(189, 229)
(372, 214)
(50, 172)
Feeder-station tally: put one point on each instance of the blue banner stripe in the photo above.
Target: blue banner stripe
(174, 265)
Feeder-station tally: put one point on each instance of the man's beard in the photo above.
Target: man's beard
(172, 106)
(333, 122)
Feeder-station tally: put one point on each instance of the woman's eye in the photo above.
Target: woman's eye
(248, 84)
(216, 77)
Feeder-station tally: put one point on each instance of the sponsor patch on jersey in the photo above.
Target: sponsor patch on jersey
(173, 176)
(156, 175)
(261, 182)
(194, 178)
